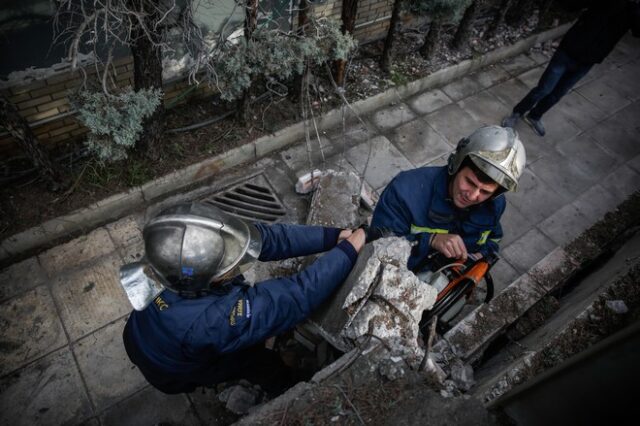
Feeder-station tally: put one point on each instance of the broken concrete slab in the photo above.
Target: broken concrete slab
(336, 200)
(380, 298)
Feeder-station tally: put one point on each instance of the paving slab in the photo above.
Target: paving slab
(621, 183)
(127, 236)
(31, 328)
(462, 88)
(419, 142)
(384, 161)
(503, 275)
(90, 297)
(530, 78)
(296, 206)
(518, 64)
(563, 174)
(47, 392)
(510, 92)
(585, 152)
(539, 57)
(305, 156)
(527, 250)
(485, 108)
(602, 95)
(514, 224)
(558, 129)
(613, 137)
(535, 146)
(430, 101)
(105, 366)
(453, 123)
(527, 200)
(490, 76)
(624, 81)
(564, 225)
(77, 252)
(392, 116)
(627, 118)
(21, 277)
(352, 133)
(579, 110)
(151, 407)
(635, 163)
(595, 202)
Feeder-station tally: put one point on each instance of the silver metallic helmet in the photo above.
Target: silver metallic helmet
(189, 248)
(495, 150)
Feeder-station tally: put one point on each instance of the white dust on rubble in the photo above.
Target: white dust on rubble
(395, 301)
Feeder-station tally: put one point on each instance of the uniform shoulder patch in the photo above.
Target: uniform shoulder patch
(241, 309)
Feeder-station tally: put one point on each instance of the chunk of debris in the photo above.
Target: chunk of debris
(617, 306)
(462, 376)
(368, 197)
(241, 398)
(336, 200)
(308, 182)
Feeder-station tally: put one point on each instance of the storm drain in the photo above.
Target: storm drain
(253, 199)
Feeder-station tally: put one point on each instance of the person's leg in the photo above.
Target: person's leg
(552, 74)
(547, 83)
(575, 71)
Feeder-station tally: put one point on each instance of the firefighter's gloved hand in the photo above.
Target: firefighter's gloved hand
(374, 233)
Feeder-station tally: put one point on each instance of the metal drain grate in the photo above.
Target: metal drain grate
(254, 200)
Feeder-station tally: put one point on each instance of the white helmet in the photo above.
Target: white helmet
(496, 151)
(189, 248)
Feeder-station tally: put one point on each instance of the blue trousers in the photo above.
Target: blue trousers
(561, 75)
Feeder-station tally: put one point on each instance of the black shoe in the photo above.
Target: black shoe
(536, 125)
(511, 120)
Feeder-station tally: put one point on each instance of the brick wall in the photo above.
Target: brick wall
(44, 103)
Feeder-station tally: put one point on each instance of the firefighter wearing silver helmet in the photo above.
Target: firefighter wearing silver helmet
(455, 209)
(197, 321)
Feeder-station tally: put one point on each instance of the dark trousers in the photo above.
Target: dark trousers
(561, 75)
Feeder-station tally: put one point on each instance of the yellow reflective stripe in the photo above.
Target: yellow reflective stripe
(483, 237)
(495, 240)
(415, 229)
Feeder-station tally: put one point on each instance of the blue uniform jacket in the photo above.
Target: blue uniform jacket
(416, 204)
(177, 342)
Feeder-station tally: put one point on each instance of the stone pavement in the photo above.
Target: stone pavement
(62, 311)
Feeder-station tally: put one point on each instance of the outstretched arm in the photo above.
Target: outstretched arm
(279, 304)
(282, 241)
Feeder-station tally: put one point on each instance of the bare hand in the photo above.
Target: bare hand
(344, 234)
(451, 245)
(357, 239)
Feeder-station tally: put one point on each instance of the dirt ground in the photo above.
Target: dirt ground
(26, 202)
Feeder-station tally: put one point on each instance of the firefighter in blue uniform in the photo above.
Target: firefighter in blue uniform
(198, 322)
(455, 209)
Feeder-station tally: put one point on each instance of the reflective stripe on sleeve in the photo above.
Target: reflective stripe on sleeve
(415, 229)
(483, 237)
